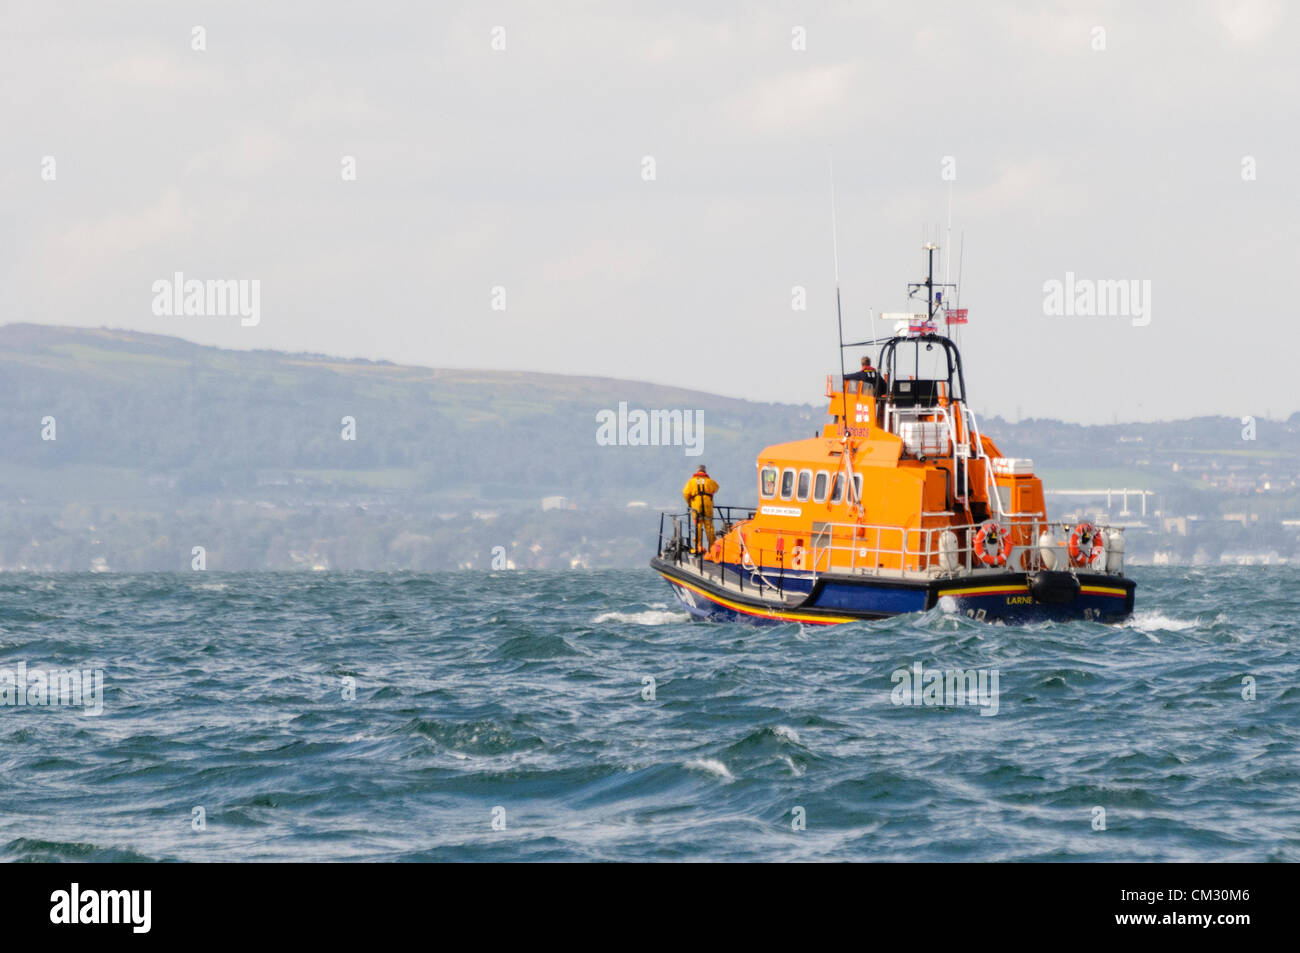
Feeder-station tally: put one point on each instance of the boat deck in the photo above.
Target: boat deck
(729, 581)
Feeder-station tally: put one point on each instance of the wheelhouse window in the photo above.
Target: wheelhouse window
(787, 485)
(857, 486)
(837, 490)
(805, 484)
(767, 482)
(819, 486)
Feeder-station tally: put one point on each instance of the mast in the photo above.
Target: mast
(846, 452)
(961, 254)
(929, 282)
(839, 314)
(934, 290)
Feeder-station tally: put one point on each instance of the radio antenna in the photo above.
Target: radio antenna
(846, 455)
(961, 255)
(839, 314)
(947, 242)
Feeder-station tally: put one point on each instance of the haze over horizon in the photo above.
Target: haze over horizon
(1110, 157)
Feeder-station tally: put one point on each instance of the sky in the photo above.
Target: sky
(504, 214)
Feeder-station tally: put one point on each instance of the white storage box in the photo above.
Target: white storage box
(925, 437)
(1013, 466)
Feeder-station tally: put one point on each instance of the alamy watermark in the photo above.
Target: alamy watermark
(953, 688)
(1088, 297)
(213, 298)
(128, 907)
(54, 688)
(651, 428)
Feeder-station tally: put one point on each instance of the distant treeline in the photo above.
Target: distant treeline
(225, 536)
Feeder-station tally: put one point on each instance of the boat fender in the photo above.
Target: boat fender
(1087, 547)
(1115, 550)
(1054, 588)
(1047, 544)
(948, 558)
(991, 544)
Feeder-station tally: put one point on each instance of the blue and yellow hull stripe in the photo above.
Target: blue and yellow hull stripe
(751, 611)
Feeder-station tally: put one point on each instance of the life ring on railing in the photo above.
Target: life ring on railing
(1087, 546)
(991, 544)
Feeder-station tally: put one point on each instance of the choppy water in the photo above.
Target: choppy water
(524, 691)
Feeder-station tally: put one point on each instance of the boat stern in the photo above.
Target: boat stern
(1023, 597)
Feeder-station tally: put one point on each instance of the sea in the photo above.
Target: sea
(582, 716)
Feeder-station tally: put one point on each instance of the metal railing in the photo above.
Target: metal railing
(859, 548)
(761, 569)
(868, 542)
(921, 549)
(896, 417)
(963, 440)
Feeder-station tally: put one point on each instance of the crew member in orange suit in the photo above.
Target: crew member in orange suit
(698, 491)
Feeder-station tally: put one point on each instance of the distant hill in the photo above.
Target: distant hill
(162, 444)
(142, 412)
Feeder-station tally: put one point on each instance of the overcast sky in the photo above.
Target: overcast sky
(1111, 155)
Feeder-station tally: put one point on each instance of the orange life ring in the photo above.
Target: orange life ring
(1000, 539)
(1087, 546)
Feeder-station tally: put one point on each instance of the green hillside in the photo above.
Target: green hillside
(140, 414)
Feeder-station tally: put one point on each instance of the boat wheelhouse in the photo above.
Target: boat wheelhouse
(899, 505)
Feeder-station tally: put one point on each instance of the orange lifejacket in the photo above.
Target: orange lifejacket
(698, 491)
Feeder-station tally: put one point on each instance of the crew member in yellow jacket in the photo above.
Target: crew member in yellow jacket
(698, 491)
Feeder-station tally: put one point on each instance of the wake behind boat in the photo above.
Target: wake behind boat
(901, 504)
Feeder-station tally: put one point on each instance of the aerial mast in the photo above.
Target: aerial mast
(839, 314)
(932, 287)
